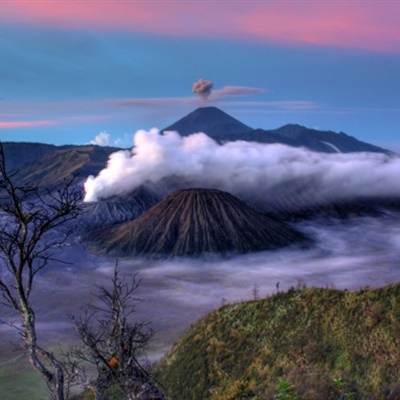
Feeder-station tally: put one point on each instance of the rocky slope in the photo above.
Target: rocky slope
(193, 222)
(117, 210)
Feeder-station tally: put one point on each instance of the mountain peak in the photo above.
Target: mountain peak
(212, 121)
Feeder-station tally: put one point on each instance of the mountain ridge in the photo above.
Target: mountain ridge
(221, 127)
(55, 164)
(321, 141)
(214, 122)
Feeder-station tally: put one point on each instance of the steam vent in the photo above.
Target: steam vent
(195, 222)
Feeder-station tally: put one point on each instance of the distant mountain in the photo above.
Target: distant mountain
(211, 120)
(49, 165)
(312, 139)
(222, 127)
(192, 222)
(19, 153)
(54, 166)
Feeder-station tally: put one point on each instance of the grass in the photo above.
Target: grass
(26, 378)
(323, 343)
(303, 344)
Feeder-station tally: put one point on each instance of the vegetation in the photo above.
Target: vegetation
(112, 344)
(302, 344)
(30, 218)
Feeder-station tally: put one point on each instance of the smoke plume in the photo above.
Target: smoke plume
(203, 88)
(239, 167)
(102, 139)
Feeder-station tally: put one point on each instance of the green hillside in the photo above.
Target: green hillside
(302, 344)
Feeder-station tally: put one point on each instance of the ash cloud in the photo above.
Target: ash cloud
(244, 167)
(203, 88)
(235, 91)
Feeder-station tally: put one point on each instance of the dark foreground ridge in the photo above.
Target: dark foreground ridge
(193, 222)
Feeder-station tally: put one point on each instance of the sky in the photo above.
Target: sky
(75, 72)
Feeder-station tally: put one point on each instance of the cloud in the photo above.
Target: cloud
(245, 168)
(105, 139)
(124, 141)
(235, 91)
(347, 254)
(203, 88)
(366, 25)
(285, 105)
(155, 102)
(25, 124)
(102, 139)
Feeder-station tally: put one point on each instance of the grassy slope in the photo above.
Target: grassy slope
(324, 342)
(16, 376)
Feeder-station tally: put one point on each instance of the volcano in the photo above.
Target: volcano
(193, 222)
(223, 128)
(212, 121)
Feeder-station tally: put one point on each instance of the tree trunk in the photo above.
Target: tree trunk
(55, 382)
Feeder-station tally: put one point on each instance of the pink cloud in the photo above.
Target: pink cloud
(40, 112)
(370, 25)
(366, 25)
(25, 124)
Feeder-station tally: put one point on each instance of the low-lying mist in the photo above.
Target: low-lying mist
(348, 254)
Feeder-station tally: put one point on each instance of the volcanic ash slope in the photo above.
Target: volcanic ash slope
(193, 222)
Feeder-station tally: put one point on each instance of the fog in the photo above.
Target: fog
(348, 254)
(245, 167)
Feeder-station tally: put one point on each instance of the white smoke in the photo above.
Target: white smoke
(244, 167)
(102, 139)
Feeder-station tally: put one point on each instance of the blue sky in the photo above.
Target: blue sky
(71, 70)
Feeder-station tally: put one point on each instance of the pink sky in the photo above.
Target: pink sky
(24, 124)
(370, 25)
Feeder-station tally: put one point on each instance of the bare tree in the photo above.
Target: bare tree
(29, 217)
(114, 342)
